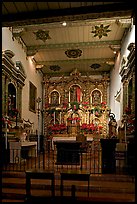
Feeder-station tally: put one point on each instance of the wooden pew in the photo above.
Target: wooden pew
(39, 174)
(79, 175)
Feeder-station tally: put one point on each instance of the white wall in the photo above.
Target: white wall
(31, 74)
(115, 79)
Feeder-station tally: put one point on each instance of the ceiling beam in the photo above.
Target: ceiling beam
(56, 15)
(98, 60)
(97, 44)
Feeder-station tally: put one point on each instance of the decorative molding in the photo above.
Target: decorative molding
(113, 12)
(76, 61)
(17, 32)
(75, 53)
(117, 96)
(42, 35)
(55, 68)
(74, 45)
(100, 31)
(9, 53)
(31, 52)
(95, 66)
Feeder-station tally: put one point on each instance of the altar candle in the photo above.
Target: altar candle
(54, 117)
(60, 117)
(85, 118)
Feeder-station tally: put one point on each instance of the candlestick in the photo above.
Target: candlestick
(60, 117)
(54, 117)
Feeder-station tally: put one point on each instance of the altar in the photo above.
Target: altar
(69, 149)
(76, 105)
(68, 139)
(68, 152)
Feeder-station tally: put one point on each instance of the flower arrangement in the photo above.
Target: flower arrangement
(13, 112)
(57, 128)
(91, 128)
(75, 119)
(99, 109)
(4, 121)
(85, 104)
(74, 105)
(130, 121)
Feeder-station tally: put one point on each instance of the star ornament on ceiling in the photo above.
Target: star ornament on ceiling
(42, 35)
(101, 31)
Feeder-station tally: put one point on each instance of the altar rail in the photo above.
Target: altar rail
(90, 158)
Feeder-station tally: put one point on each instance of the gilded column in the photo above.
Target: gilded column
(45, 116)
(105, 124)
(3, 94)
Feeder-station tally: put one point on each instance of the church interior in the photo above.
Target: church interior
(68, 100)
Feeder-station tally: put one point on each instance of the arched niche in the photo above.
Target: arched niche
(96, 97)
(13, 80)
(54, 98)
(75, 93)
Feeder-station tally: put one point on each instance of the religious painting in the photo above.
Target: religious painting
(55, 98)
(75, 93)
(32, 97)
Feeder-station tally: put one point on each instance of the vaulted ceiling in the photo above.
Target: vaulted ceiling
(93, 32)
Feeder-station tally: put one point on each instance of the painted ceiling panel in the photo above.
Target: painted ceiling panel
(89, 37)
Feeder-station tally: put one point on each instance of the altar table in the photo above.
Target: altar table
(54, 139)
(19, 150)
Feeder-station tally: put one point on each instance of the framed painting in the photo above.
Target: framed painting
(32, 97)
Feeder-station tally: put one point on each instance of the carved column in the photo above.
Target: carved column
(133, 93)
(6, 96)
(46, 85)
(105, 84)
(19, 100)
(3, 94)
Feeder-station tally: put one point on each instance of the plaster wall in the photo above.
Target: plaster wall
(115, 78)
(31, 74)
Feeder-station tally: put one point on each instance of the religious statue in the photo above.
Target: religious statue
(112, 126)
(54, 98)
(75, 93)
(96, 97)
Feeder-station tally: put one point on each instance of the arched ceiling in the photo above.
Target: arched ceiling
(93, 31)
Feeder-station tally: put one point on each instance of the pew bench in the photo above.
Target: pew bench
(79, 175)
(39, 174)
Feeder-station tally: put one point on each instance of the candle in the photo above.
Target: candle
(60, 117)
(54, 117)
